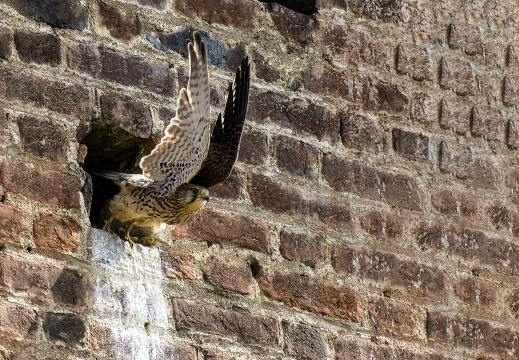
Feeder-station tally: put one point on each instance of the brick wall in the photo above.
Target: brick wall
(373, 212)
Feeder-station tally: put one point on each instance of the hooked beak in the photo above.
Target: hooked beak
(206, 198)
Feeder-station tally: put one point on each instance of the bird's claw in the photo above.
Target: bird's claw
(131, 240)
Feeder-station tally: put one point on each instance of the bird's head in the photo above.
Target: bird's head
(193, 196)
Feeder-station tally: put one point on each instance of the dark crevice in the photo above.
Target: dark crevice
(306, 7)
(255, 267)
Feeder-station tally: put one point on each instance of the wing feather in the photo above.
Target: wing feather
(182, 150)
(226, 136)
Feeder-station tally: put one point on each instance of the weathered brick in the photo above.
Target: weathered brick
(384, 225)
(300, 115)
(128, 114)
(466, 37)
(362, 133)
(253, 148)
(48, 186)
(455, 203)
(6, 35)
(487, 123)
(414, 146)
(38, 48)
(350, 45)
(413, 60)
(374, 184)
(476, 169)
(280, 198)
(228, 275)
(512, 135)
(42, 92)
(239, 326)
(304, 342)
(456, 330)
(67, 328)
(470, 244)
(455, 114)
(327, 81)
(477, 292)
(294, 26)
(387, 11)
(231, 188)
(121, 67)
(512, 58)
(308, 248)
(122, 25)
(417, 279)
(43, 137)
(101, 337)
(242, 14)
(513, 302)
(18, 321)
(505, 218)
(72, 287)
(381, 96)
(56, 232)
(177, 264)
(458, 76)
(158, 4)
(512, 184)
(236, 230)
(391, 317)
(312, 294)
(12, 223)
(424, 108)
(358, 349)
(511, 90)
(295, 157)
(263, 69)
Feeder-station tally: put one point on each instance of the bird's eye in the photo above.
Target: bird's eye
(196, 191)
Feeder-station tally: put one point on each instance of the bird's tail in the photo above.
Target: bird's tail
(122, 179)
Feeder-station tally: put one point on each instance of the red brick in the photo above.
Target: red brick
(123, 25)
(362, 133)
(6, 36)
(228, 275)
(124, 112)
(238, 326)
(12, 223)
(511, 90)
(374, 184)
(476, 169)
(455, 203)
(284, 199)
(300, 115)
(384, 225)
(417, 279)
(466, 37)
(513, 55)
(56, 232)
(231, 188)
(449, 329)
(67, 328)
(304, 342)
(67, 14)
(48, 186)
(18, 321)
(350, 45)
(455, 114)
(295, 157)
(513, 302)
(358, 349)
(487, 123)
(477, 292)
(424, 108)
(413, 60)
(263, 69)
(43, 138)
(505, 218)
(414, 146)
(470, 244)
(391, 317)
(236, 230)
(253, 148)
(327, 81)
(177, 264)
(293, 25)
(73, 287)
(512, 184)
(381, 96)
(42, 92)
(241, 14)
(313, 295)
(458, 76)
(121, 67)
(308, 248)
(101, 337)
(38, 48)
(512, 135)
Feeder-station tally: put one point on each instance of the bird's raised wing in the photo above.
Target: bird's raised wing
(225, 139)
(180, 153)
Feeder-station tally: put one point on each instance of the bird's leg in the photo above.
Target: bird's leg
(127, 233)
(108, 222)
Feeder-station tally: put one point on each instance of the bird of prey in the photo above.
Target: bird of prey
(188, 160)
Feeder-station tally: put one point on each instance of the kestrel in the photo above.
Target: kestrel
(188, 160)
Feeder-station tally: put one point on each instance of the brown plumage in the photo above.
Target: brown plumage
(187, 161)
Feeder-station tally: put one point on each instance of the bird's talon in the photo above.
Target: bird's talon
(131, 240)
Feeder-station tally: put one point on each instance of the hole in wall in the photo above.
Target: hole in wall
(2, 247)
(255, 267)
(306, 7)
